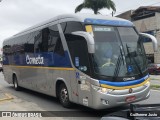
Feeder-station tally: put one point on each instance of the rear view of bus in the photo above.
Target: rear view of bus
(115, 62)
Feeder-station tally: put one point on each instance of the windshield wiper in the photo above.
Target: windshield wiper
(116, 71)
(122, 55)
(129, 55)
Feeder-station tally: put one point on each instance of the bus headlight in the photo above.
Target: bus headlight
(147, 84)
(100, 89)
(104, 90)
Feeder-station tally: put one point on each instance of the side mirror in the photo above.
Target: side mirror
(149, 61)
(154, 40)
(89, 38)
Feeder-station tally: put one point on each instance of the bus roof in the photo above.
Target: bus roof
(86, 18)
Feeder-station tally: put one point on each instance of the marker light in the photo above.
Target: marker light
(101, 89)
(147, 84)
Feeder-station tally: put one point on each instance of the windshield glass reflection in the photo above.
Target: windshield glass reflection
(118, 51)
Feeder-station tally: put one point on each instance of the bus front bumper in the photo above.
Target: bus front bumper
(113, 98)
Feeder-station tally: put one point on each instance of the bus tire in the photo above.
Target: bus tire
(15, 83)
(64, 96)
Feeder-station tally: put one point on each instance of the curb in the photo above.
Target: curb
(8, 97)
(156, 90)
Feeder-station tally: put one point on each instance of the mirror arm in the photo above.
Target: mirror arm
(154, 40)
(89, 39)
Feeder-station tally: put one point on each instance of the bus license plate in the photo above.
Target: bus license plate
(130, 98)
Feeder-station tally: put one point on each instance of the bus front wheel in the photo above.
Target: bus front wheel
(64, 96)
(15, 83)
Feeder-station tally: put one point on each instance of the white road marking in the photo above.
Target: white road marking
(156, 90)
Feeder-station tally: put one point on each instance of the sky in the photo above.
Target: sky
(17, 15)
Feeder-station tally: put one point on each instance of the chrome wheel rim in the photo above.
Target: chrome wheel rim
(64, 95)
(15, 84)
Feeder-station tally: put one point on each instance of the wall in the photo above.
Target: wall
(149, 24)
(146, 24)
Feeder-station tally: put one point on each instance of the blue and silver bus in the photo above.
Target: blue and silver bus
(93, 60)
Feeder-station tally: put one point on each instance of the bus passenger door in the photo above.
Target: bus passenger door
(79, 53)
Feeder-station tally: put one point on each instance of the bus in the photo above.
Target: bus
(93, 60)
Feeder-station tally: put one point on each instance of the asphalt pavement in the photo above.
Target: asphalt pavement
(155, 79)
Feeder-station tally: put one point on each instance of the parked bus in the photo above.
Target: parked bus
(93, 60)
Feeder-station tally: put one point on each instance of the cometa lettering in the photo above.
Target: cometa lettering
(34, 60)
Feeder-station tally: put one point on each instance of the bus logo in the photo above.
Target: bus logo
(130, 69)
(34, 60)
(127, 79)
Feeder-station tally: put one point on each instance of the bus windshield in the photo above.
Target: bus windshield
(118, 52)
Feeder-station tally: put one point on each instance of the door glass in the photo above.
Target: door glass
(79, 53)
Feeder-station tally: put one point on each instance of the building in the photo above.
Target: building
(126, 15)
(147, 19)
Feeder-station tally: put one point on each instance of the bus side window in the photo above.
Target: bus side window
(53, 38)
(29, 40)
(38, 42)
(45, 36)
(46, 40)
(77, 45)
(59, 48)
(41, 40)
(69, 27)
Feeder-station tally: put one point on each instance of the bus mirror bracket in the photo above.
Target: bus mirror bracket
(154, 40)
(89, 38)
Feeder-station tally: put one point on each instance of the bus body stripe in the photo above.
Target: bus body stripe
(38, 67)
(121, 84)
(107, 22)
(125, 87)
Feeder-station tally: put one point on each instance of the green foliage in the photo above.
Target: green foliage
(155, 86)
(96, 5)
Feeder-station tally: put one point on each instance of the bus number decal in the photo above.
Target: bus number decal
(85, 101)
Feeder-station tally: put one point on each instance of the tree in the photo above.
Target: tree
(96, 5)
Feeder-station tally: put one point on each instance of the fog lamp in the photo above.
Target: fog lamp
(101, 89)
